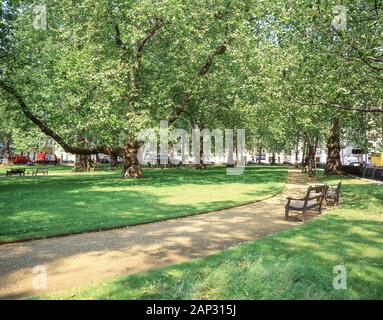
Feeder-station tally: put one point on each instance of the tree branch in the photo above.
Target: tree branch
(156, 25)
(180, 108)
(117, 37)
(334, 105)
(44, 128)
(365, 59)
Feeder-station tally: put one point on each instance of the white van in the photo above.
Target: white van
(351, 161)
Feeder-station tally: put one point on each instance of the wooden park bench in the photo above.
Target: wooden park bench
(312, 201)
(20, 172)
(332, 194)
(43, 171)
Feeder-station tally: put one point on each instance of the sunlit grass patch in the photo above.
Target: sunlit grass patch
(33, 207)
(293, 264)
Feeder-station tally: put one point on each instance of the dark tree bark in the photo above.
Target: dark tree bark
(333, 163)
(83, 162)
(304, 157)
(311, 157)
(273, 158)
(131, 167)
(296, 165)
(309, 153)
(259, 156)
(200, 165)
(113, 160)
(311, 161)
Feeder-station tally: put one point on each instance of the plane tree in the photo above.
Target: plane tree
(335, 63)
(101, 71)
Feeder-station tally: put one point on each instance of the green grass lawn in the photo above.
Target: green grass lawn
(294, 264)
(63, 202)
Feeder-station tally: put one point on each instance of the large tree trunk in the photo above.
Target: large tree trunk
(308, 158)
(333, 164)
(131, 168)
(83, 162)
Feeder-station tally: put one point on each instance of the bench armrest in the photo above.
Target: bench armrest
(295, 199)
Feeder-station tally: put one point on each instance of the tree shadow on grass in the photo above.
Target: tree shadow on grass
(358, 194)
(295, 264)
(45, 206)
(95, 210)
(151, 245)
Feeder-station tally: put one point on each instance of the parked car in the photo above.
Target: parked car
(20, 159)
(44, 158)
(351, 160)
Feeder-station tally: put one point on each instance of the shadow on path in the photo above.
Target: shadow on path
(85, 258)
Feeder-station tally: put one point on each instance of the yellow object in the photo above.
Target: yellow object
(377, 159)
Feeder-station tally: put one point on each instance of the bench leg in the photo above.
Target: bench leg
(286, 213)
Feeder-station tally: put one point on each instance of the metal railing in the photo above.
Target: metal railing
(372, 173)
